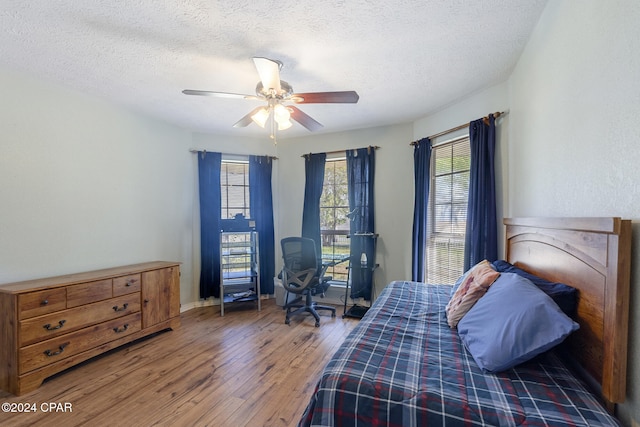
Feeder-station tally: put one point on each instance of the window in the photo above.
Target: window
(234, 188)
(448, 210)
(334, 223)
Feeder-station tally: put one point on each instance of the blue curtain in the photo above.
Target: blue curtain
(314, 179)
(422, 179)
(210, 208)
(361, 172)
(261, 205)
(481, 240)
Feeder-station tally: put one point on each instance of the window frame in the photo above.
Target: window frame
(224, 188)
(326, 233)
(453, 242)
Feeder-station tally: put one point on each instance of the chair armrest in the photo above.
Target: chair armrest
(323, 269)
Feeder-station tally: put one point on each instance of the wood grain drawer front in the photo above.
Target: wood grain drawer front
(56, 324)
(126, 284)
(44, 353)
(37, 303)
(86, 293)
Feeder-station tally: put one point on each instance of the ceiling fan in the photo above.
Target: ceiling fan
(278, 95)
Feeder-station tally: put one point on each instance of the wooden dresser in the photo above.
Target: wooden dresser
(48, 325)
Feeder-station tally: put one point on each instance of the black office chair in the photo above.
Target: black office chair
(303, 274)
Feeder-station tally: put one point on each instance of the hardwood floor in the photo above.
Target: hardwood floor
(244, 369)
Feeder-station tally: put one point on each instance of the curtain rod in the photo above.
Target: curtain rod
(485, 119)
(375, 147)
(194, 150)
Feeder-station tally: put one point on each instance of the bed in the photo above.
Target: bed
(404, 366)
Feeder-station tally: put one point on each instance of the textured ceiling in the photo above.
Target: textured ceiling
(405, 58)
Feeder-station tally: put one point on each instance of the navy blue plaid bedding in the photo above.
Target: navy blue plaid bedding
(403, 366)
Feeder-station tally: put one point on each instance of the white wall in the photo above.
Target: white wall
(87, 185)
(393, 191)
(575, 130)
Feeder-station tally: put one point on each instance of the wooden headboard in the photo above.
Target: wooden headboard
(594, 256)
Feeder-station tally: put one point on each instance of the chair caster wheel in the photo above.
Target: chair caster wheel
(333, 315)
(287, 321)
(317, 324)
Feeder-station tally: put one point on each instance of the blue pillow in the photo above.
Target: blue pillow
(563, 295)
(512, 323)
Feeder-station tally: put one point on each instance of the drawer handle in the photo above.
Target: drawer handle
(119, 330)
(50, 353)
(48, 326)
(124, 307)
(44, 302)
(131, 282)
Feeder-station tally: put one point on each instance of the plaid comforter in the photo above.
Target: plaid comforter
(403, 366)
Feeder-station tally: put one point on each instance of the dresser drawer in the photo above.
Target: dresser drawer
(86, 293)
(126, 284)
(44, 353)
(37, 303)
(62, 322)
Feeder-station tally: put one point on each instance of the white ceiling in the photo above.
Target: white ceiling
(405, 58)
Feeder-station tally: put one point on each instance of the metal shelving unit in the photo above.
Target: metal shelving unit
(358, 311)
(239, 268)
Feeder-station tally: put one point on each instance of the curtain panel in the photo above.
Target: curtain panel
(261, 206)
(209, 165)
(422, 179)
(314, 180)
(361, 172)
(481, 240)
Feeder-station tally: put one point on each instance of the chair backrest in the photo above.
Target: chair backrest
(299, 253)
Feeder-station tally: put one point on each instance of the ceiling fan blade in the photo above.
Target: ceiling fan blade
(269, 72)
(218, 94)
(304, 119)
(344, 97)
(246, 120)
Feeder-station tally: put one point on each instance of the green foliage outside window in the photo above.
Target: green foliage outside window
(334, 223)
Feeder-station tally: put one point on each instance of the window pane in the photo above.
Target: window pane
(234, 181)
(442, 219)
(334, 224)
(460, 187)
(340, 173)
(327, 198)
(444, 260)
(442, 160)
(448, 211)
(236, 174)
(327, 218)
(442, 189)
(342, 221)
(459, 218)
(461, 159)
(329, 173)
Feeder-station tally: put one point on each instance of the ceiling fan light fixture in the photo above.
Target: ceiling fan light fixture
(281, 113)
(260, 117)
(284, 125)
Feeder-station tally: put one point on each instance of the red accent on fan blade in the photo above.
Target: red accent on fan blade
(304, 119)
(344, 97)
